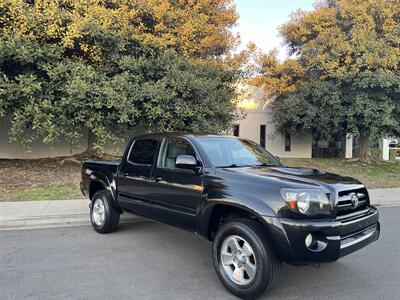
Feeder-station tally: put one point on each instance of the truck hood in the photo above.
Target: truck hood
(300, 176)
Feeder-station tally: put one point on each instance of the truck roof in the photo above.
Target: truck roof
(180, 134)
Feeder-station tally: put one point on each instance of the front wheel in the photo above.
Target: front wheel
(244, 260)
(104, 214)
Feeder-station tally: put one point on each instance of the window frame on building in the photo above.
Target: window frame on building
(236, 130)
(263, 134)
(288, 142)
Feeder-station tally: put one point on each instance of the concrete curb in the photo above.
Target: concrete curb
(42, 222)
(385, 197)
(59, 213)
(41, 214)
(58, 221)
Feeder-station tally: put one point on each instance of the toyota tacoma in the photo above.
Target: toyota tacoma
(257, 212)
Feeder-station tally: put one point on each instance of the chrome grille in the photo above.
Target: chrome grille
(345, 204)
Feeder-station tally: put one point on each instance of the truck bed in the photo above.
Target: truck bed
(106, 167)
(104, 170)
(102, 162)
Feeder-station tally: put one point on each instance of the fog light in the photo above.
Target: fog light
(310, 241)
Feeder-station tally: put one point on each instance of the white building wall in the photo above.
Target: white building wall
(301, 145)
(349, 146)
(39, 149)
(384, 146)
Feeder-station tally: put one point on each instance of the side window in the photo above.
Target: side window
(173, 148)
(143, 151)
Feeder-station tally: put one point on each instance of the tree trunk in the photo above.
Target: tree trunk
(365, 149)
(91, 150)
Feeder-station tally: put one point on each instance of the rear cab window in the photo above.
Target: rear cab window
(143, 151)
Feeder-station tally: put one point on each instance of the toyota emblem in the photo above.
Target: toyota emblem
(354, 200)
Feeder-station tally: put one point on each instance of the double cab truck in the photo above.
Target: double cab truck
(257, 212)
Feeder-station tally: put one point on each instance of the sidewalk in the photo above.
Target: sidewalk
(57, 213)
(38, 214)
(385, 197)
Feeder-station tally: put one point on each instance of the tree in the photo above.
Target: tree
(343, 75)
(109, 65)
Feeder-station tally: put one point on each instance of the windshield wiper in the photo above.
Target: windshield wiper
(266, 164)
(263, 164)
(233, 166)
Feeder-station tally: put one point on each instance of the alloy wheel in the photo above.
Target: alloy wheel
(238, 260)
(98, 212)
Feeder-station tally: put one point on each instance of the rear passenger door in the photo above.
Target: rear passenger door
(134, 177)
(175, 193)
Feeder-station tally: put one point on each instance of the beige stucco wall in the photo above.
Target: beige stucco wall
(61, 148)
(38, 149)
(249, 127)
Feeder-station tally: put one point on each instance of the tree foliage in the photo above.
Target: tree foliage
(109, 65)
(343, 74)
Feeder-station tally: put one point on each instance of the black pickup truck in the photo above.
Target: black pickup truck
(236, 194)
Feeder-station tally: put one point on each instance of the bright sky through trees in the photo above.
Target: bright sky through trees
(259, 21)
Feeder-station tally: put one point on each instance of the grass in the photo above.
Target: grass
(376, 175)
(35, 193)
(39, 179)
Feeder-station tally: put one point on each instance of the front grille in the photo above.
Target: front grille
(345, 204)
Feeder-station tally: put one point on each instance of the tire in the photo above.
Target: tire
(104, 214)
(261, 269)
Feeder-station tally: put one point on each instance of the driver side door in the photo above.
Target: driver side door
(175, 193)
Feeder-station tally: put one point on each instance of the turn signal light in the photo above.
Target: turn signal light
(292, 204)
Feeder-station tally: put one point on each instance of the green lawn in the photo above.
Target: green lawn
(35, 193)
(376, 175)
(39, 179)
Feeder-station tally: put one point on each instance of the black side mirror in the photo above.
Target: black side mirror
(187, 162)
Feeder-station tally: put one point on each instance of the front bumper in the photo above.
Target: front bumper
(337, 237)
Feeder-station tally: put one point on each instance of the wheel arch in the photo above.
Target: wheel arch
(95, 186)
(97, 183)
(216, 213)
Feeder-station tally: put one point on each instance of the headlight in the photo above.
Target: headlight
(308, 201)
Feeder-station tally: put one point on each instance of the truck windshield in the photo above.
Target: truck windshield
(226, 152)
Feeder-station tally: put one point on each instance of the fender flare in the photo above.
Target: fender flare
(208, 209)
(103, 180)
(271, 223)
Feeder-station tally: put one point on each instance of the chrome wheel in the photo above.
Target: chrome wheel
(238, 260)
(98, 212)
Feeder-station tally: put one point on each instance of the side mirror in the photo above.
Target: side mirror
(187, 162)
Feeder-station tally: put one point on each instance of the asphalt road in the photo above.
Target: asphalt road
(147, 260)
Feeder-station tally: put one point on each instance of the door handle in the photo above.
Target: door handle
(157, 179)
(124, 174)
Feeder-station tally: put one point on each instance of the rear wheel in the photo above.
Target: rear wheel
(244, 260)
(104, 214)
